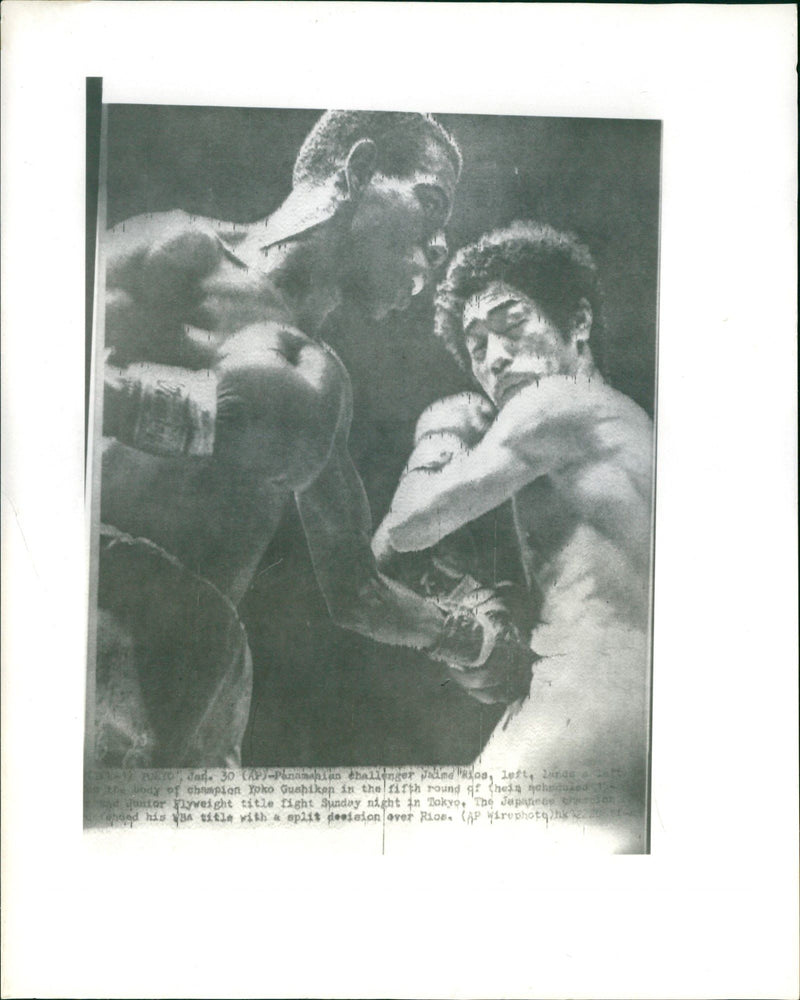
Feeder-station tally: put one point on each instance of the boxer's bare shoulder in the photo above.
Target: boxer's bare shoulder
(563, 421)
(169, 244)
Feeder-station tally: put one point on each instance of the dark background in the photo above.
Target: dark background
(322, 695)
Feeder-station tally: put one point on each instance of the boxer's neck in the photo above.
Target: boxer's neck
(305, 271)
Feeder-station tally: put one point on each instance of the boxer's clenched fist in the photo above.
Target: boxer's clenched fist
(506, 674)
(486, 654)
(271, 406)
(281, 397)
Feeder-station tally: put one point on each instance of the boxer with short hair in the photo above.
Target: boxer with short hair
(456, 571)
(222, 403)
(520, 309)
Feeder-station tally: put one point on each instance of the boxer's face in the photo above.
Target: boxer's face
(512, 343)
(396, 237)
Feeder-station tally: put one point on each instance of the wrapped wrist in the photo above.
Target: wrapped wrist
(461, 640)
(157, 411)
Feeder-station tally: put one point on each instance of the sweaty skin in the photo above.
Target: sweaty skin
(455, 570)
(178, 289)
(220, 404)
(576, 459)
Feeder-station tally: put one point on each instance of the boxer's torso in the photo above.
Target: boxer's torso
(217, 519)
(217, 524)
(584, 532)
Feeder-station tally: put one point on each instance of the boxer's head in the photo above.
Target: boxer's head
(520, 305)
(386, 181)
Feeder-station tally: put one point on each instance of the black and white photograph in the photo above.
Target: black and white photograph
(399, 500)
(377, 463)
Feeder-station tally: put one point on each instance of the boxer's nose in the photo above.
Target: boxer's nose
(497, 355)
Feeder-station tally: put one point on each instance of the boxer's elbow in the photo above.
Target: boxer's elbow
(414, 531)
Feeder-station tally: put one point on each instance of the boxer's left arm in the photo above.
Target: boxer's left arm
(270, 406)
(337, 523)
(540, 431)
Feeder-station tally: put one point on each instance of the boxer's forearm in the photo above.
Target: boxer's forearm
(336, 520)
(388, 612)
(442, 492)
(429, 505)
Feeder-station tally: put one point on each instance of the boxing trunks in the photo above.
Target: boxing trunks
(173, 675)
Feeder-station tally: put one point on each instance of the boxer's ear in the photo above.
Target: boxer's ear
(582, 325)
(359, 167)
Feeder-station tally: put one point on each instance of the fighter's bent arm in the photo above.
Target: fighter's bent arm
(543, 428)
(337, 524)
(270, 406)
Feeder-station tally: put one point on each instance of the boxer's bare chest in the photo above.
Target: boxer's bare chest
(544, 522)
(218, 520)
(579, 536)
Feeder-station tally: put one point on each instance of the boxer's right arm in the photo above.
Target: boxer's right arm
(491, 656)
(544, 429)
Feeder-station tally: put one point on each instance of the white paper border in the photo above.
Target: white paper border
(713, 912)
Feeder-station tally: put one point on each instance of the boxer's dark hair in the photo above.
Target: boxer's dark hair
(399, 139)
(551, 267)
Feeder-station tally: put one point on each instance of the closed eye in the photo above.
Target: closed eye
(514, 328)
(435, 203)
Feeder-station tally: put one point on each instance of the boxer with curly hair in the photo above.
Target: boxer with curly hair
(520, 310)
